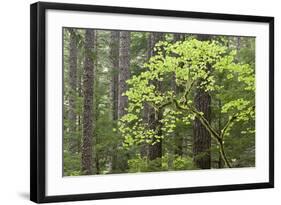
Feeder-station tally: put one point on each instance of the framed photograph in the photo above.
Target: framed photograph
(129, 102)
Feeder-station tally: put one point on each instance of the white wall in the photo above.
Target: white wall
(14, 100)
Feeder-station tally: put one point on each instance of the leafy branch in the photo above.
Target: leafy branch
(214, 134)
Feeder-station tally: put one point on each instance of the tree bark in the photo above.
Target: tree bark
(80, 96)
(88, 82)
(121, 164)
(201, 136)
(154, 117)
(220, 162)
(96, 103)
(124, 71)
(114, 61)
(72, 75)
(155, 150)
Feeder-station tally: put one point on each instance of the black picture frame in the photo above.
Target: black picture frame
(38, 101)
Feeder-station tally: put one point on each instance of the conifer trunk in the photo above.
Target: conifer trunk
(72, 75)
(114, 61)
(124, 75)
(154, 117)
(88, 84)
(201, 137)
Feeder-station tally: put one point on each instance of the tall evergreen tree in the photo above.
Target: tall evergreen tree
(88, 82)
(201, 136)
(124, 75)
(72, 75)
(96, 169)
(154, 116)
(114, 63)
(124, 71)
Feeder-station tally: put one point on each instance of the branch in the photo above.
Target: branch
(202, 119)
(208, 126)
(227, 124)
(179, 106)
(206, 123)
(165, 104)
(231, 119)
(223, 155)
(187, 91)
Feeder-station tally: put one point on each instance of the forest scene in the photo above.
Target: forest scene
(137, 101)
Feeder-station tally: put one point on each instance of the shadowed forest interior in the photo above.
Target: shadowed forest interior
(152, 101)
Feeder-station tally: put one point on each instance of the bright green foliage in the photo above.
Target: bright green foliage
(195, 64)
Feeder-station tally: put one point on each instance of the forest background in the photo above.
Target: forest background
(147, 101)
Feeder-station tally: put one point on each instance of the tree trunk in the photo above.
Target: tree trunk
(124, 71)
(72, 75)
(95, 106)
(220, 162)
(80, 96)
(88, 82)
(114, 61)
(155, 150)
(124, 74)
(201, 137)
